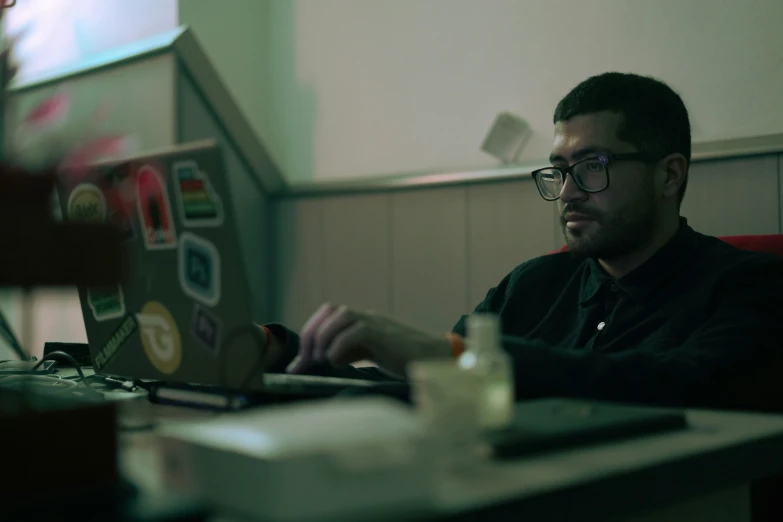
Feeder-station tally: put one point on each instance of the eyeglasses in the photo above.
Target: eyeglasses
(591, 174)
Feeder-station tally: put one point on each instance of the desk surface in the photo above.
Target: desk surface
(718, 451)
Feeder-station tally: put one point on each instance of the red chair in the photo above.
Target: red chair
(770, 243)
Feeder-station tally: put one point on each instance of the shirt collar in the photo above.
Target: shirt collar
(647, 276)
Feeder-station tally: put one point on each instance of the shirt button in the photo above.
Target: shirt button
(601, 326)
(614, 287)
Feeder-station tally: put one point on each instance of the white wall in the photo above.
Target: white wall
(350, 88)
(238, 36)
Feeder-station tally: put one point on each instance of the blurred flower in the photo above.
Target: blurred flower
(53, 135)
(49, 112)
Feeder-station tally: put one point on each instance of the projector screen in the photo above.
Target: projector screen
(58, 33)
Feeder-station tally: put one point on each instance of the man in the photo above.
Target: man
(641, 308)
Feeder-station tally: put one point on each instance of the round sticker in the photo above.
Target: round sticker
(86, 203)
(160, 337)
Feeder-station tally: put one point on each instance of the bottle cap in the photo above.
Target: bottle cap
(483, 332)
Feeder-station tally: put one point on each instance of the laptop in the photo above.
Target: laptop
(184, 313)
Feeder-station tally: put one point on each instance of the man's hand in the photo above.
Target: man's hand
(344, 336)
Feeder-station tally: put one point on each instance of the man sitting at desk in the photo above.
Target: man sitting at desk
(641, 308)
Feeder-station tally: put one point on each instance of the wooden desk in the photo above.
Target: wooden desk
(700, 474)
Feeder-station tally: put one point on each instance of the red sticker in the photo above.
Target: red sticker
(157, 222)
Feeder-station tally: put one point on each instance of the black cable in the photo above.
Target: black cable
(61, 355)
(145, 385)
(257, 368)
(8, 334)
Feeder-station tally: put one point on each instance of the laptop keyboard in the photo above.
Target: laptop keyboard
(285, 379)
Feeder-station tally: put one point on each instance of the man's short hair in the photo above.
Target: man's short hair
(655, 119)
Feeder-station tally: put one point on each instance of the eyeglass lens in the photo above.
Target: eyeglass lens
(590, 176)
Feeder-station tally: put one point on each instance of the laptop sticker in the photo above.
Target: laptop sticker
(122, 194)
(122, 222)
(198, 203)
(86, 203)
(106, 303)
(199, 269)
(157, 223)
(120, 336)
(160, 337)
(206, 329)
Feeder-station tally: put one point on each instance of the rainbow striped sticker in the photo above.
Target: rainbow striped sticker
(199, 205)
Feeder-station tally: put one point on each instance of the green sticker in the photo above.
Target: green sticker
(106, 303)
(120, 336)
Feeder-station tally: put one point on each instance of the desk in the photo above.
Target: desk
(706, 467)
(699, 474)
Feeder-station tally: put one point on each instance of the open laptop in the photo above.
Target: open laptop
(184, 313)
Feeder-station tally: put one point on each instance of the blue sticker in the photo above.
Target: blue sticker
(199, 269)
(206, 329)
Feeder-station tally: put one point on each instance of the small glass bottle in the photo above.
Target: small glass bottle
(485, 357)
(444, 397)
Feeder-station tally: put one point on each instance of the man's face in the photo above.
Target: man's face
(613, 222)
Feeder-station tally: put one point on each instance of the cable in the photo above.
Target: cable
(49, 380)
(67, 357)
(82, 379)
(128, 386)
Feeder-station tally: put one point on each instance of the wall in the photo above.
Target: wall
(427, 256)
(235, 36)
(355, 88)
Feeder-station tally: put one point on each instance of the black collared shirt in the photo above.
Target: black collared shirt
(698, 324)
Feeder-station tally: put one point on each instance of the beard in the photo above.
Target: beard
(615, 233)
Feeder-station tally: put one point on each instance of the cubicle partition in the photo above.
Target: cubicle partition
(427, 248)
(161, 91)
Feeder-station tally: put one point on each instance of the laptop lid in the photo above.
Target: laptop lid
(184, 312)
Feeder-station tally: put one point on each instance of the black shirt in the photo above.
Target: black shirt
(698, 324)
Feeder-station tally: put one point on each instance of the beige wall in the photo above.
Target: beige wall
(356, 88)
(430, 255)
(235, 37)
